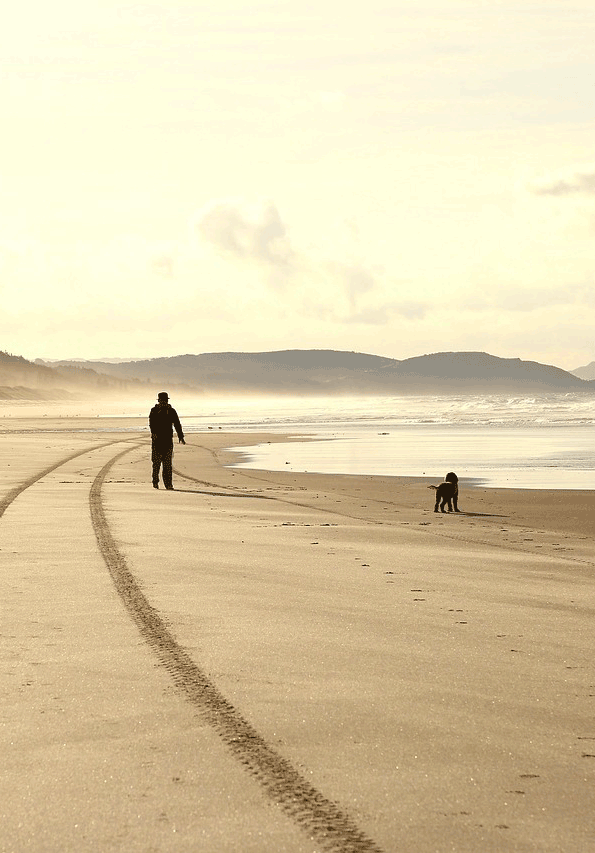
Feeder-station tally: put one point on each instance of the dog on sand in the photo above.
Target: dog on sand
(447, 493)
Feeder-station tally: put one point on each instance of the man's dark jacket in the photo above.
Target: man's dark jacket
(161, 421)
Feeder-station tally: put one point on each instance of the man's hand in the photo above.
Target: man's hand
(181, 441)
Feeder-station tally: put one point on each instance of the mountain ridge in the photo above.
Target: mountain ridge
(587, 372)
(21, 379)
(340, 372)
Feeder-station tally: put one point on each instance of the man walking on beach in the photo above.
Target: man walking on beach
(161, 420)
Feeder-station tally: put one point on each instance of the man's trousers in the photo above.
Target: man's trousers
(161, 454)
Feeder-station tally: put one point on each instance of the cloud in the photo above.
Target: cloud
(314, 286)
(579, 182)
(354, 279)
(412, 310)
(383, 314)
(254, 232)
(371, 316)
(525, 299)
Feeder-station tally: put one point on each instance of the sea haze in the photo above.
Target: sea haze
(535, 442)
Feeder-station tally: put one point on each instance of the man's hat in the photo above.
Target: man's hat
(163, 395)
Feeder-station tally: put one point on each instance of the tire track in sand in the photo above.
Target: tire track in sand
(30, 481)
(321, 819)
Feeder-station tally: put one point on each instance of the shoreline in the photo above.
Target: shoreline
(535, 458)
(571, 510)
(566, 510)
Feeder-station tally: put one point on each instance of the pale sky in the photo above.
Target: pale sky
(393, 177)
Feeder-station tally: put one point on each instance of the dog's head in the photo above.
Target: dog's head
(451, 477)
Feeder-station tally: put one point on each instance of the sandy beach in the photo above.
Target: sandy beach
(269, 661)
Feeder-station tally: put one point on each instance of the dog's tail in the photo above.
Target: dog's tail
(434, 487)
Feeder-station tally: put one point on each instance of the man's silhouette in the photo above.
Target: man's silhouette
(162, 418)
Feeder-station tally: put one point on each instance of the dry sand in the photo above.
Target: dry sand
(265, 662)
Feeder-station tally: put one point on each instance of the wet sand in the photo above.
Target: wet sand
(268, 661)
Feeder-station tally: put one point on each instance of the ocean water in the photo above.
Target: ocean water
(537, 441)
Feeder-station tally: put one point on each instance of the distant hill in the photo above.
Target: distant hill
(52, 361)
(15, 368)
(484, 372)
(21, 379)
(587, 372)
(285, 372)
(337, 372)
